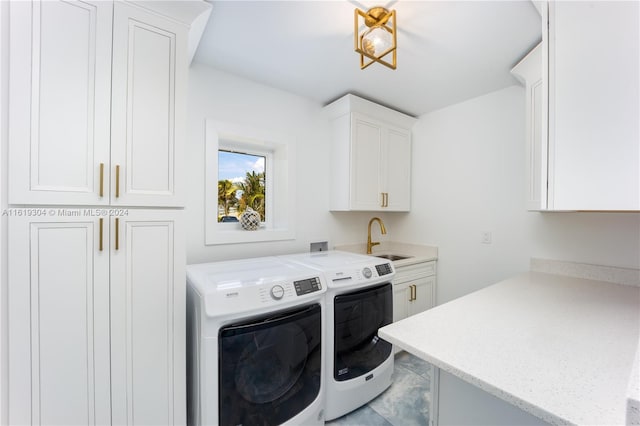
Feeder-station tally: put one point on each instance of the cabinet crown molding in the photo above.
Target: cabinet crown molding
(351, 103)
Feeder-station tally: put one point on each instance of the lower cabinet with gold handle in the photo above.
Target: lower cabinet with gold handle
(414, 289)
(94, 282)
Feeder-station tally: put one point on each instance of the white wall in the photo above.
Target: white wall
(4, 138)
(224, 97)
(468, 177)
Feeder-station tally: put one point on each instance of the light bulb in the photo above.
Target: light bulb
(376, 41)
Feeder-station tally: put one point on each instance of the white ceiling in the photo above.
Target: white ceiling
(448, 51)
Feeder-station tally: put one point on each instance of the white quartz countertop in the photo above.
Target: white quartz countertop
(560, 348)
(415, 253)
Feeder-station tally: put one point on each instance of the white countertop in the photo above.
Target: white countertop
(415, 253)
(560, 348)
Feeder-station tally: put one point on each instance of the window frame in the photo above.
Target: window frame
(280, 210)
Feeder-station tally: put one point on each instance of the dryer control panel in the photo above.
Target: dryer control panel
(307, 286)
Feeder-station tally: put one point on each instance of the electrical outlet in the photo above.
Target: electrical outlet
(485, 237)
(320, 246)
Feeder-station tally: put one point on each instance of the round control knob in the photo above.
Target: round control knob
(367, 272)
(277, 292)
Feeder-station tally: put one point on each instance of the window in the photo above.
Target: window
(242, 184)
(248, 168)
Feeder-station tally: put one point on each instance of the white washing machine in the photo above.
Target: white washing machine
(359, 300)
(255, 343)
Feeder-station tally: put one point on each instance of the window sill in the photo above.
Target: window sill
(239, 236)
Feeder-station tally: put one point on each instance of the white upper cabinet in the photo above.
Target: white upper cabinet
(529, 71)
(370, 156)
(148, 107)
(93, 122)
(583, 108)
(59, 92)
(594, 105)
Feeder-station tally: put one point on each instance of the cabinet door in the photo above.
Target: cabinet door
(422, 295)
(366, 149)
(59, 120)
(401, 298)
(594, 98)
(58, 321)
(396, 163)
(148, 318)
(148, 107)
(412, 297)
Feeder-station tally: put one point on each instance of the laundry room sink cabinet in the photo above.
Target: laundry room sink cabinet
(370, 156)
(414, 289)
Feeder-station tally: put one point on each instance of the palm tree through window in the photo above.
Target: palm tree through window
(241, 184)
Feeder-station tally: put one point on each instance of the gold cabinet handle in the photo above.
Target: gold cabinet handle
(415, 292)
(412, 289)
(100, 236)
(386, 199)
(382, 199)
(101, 179)
(117, 233)
(117, 181)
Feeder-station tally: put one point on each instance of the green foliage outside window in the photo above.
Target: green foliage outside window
(250, 192)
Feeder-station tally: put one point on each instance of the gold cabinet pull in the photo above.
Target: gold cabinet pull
(100, 236)
(382, 199)
(415, 292)
(412, 293)
(101, 179)
(117, 181)
(117, 233)
(386, 199)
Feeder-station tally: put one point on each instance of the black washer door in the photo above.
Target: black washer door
(269, 367)
(358, 316)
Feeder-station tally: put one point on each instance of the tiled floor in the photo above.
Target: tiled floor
(405, 403)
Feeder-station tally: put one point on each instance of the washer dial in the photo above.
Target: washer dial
(277, 292)
(367, 272)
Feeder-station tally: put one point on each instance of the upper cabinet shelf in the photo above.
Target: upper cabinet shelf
(583, 104)
(370, 156)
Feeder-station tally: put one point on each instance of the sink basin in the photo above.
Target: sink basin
(392, 257)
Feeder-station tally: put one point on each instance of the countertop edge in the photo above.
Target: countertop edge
(492, 390)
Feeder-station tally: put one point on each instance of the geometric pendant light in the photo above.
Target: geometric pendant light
(378, 39)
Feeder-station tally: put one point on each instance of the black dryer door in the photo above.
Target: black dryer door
(358, 316)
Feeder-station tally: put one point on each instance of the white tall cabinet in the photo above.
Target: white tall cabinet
(96, 273)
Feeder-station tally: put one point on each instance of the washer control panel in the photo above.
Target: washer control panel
(277, 292)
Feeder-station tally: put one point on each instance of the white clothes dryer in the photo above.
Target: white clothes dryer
(359, 300)
(255, 343)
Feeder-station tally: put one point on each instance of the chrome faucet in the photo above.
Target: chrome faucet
(370, 243)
